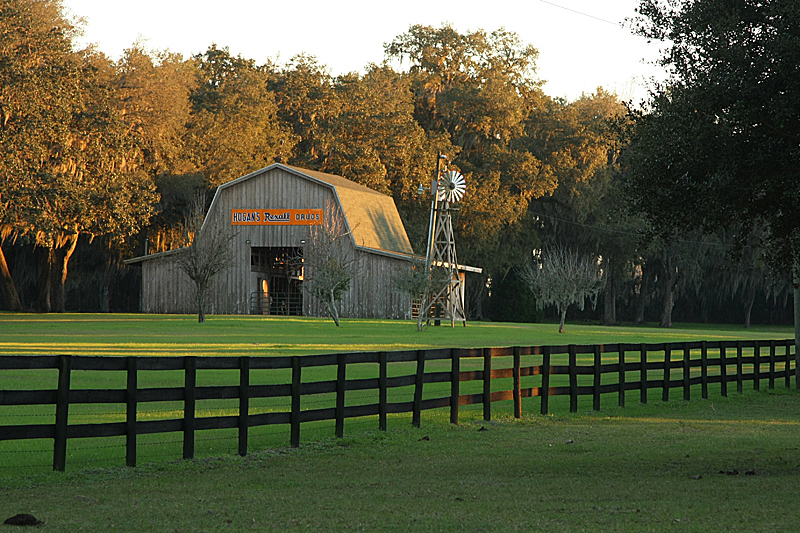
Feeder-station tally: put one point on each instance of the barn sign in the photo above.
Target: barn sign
(276, 217)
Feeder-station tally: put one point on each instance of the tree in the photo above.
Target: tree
(233, 127)
(307, 103)
(562, 277)
(328, 258)
(579, 144)
(209, 253)
(67, 164)
(419, 282)
(478, 89)
(718, 142)
(152, 92)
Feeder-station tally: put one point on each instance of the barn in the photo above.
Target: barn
(270, 213)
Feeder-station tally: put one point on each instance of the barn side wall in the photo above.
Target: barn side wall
(372, 293)
(166, 289)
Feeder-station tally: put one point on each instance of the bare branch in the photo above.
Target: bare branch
(209, 253)
(562, 277)
(329, 259)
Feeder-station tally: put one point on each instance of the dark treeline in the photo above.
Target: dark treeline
(99, 156)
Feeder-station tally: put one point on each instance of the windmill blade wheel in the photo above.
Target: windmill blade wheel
(451, 187)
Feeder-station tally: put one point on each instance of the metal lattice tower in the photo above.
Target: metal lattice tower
(447, 291)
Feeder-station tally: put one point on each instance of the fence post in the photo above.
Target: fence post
(704, 369)
(621, 372)
(597, 378)
(62, 413)
(757, 366)
(772, 364)
(455, 372)
(545, 391)
(739, 368)
(341, 375)
(723, 370)
(487, 384)
(643, 373)
(131, 399)
(295, 414)
(687, 354)
(244, 403)
(667, 370)
(573, 379)
(382, 383)
(788, 364)
(517, 391)
(190, 384)
(416, 416)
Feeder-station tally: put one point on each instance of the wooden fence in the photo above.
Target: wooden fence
(604, 370)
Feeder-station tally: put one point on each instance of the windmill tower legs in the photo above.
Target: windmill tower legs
(448, 290)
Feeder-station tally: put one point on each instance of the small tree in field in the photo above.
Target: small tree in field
(419, 282)
(329, 258)
(209, 253)
(562, 277)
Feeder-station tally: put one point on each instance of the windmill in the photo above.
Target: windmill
(441, 261)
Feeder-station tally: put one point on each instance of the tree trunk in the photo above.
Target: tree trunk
(666, 310)
(670, 283)
(748, 304)
(331, 305)
(640, 297)
(563, 318)
(610, 299)
(58, 298)
(43, 302)
(201, 304)
(7, 288)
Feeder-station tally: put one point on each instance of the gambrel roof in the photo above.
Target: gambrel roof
(371, 216)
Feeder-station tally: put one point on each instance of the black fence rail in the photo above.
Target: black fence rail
(432, 378)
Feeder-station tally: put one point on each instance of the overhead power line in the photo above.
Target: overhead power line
(618, 24)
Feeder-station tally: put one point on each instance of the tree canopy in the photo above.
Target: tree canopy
(719, 144)
(721, 140)
(101, 159)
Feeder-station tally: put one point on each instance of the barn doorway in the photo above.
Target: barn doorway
(280, 280)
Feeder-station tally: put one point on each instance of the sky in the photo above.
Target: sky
(581, 43)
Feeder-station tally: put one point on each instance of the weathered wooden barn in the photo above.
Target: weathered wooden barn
(270, 212)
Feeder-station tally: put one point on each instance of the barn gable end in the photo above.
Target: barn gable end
(250, 286)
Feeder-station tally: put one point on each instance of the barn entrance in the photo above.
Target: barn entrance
(279, 271)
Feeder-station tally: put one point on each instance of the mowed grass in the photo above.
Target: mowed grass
(707, 465)
(154, 335)
(702, 465)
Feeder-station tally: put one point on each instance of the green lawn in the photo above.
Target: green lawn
(706, 465)
(112, 334)
(712, 464)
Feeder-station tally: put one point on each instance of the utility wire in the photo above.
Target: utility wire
(618, 24)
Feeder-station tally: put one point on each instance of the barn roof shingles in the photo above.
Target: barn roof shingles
(372, 216)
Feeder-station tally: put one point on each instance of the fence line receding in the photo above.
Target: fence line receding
(323, 387)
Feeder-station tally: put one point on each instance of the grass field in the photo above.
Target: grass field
(718, 464)
(152, 335)
(723, 465)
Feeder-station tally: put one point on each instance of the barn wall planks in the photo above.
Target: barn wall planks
(166, 289)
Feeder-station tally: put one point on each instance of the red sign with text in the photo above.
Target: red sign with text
(276, 217)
